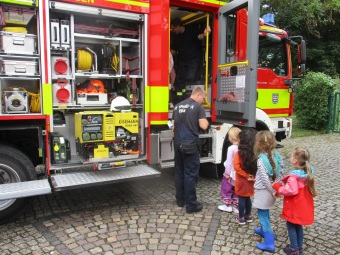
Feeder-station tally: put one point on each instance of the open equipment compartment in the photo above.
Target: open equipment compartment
(20, 84)
(101, 61)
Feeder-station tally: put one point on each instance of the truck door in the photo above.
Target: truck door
(237, 79)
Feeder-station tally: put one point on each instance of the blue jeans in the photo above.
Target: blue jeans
(186, 177)
(244, 206)
(264, 220)
(295, 233)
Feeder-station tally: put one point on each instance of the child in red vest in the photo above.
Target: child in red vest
(245, 165)
(298, 203)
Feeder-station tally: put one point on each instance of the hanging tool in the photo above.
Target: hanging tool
(115, 60)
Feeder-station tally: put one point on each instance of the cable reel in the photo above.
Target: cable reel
(87, 60)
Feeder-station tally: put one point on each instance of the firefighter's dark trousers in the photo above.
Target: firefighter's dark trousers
(186, 177)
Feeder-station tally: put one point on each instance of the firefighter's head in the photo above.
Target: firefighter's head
(177, 26)
(199, 95)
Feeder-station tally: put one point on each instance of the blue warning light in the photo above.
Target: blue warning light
(269, 18)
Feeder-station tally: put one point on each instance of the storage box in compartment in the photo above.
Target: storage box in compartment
(14, 67)
(17, 43)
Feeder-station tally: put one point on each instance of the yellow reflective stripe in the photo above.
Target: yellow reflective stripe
(159, 98)
(265, 98)
(270, 29)
(233, 64)
(158, 122)
(22, 2)
(156, 98)
(221, 3)
(277, 115)
(47, 99)
(147, 99)
(130, 2)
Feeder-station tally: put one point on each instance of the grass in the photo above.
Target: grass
(300, 132)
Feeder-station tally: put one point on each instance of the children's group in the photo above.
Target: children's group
(254, 177)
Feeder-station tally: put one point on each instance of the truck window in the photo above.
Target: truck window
(231, 37)
(272, 55)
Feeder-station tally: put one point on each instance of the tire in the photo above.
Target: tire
(15, 166)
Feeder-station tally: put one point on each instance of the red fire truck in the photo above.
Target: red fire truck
(84, 89)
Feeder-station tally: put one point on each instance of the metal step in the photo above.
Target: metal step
(93, 178)
(24, 189)
(165, 139)
(168, 139)
(208, 135)
(169, 164)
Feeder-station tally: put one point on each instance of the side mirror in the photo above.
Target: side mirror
(301, 69)
(273, 38)
(302, 55)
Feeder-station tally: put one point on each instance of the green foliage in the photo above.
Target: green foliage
(308, 16)
(311, 100)
(324, 58)
(319, 24)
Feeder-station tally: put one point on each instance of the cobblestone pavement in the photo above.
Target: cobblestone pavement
(141, 217)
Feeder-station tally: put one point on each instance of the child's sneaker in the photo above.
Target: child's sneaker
(291, 251)
(240, 221)
(249, 218)
(235, 209)
(225, 208)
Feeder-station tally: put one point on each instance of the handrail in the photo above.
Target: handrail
(206, 104)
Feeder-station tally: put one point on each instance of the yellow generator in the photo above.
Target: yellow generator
(103, 135)
(94, 126)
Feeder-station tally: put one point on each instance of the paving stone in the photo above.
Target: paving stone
(141, 216)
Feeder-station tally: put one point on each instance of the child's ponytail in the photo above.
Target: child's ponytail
(302, 156)
(310, 180)
(265, 142)
(272, 163)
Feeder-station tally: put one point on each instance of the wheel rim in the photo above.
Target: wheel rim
(7, 175)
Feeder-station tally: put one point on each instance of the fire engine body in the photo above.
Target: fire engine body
(85, 90)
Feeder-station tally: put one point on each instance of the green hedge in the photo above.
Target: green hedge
(311, 100)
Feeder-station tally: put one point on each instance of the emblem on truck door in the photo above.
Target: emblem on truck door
(275, 98)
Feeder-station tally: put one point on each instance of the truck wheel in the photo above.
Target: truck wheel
(15, 166)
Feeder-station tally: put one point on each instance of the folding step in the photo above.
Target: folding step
(208, 135)
(93, 178)
(169, 164)
(201, 136)
(24, 189)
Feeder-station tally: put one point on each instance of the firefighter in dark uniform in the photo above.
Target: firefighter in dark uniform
(186, 47)
(188, 117)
